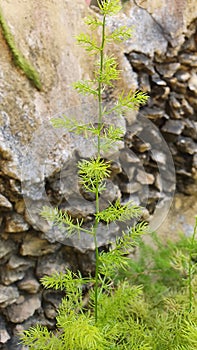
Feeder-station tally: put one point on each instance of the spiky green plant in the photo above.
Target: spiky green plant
(120, 314)
(185, 261)
(81, 328)
(150, 317)
(93, 172)
(172, 265)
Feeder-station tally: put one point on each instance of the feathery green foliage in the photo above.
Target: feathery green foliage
(92, 174)
(64, 221)
(18, 57)
(120, 34)
(117, 257)
(109, 8)
(148, 313)
(146, 303)
(109, 135)
(69, 281)
(118, 212)
(172, 266)
(130, 316)
(109, 73)
(86, 87)
(192, 267)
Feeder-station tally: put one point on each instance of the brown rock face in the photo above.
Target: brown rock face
(48, 41)
(23, 309)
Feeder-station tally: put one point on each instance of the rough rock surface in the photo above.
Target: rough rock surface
(38, 163)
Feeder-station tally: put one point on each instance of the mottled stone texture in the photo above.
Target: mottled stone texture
(38, 163)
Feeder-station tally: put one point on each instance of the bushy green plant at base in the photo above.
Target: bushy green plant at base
(134, 315)
(154, 263)
(118, 314)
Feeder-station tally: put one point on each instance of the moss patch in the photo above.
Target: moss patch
(17, 56)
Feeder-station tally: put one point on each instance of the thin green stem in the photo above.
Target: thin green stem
(96, 285)
(100, 115)
(190, 266)
(96, 263)
(100, 85)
